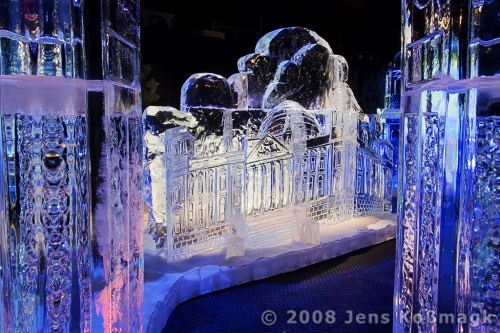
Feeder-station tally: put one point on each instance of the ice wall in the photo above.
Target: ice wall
(447, 245)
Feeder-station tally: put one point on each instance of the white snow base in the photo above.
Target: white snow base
(169, 284)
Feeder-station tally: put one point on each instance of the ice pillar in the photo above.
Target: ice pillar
(58, 259)
(447, 257)
(117, 184)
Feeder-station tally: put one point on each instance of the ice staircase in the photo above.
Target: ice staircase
(271, 229)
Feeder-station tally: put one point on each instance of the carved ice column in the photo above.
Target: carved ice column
(70, 240)
(478, 249)
(431, 125)
(448, 243)
(117, 193)
(44, 207)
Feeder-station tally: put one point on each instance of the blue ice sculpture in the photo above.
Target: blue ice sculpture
(448, 240)
(263, 158)
(390, 116)
(70, 234)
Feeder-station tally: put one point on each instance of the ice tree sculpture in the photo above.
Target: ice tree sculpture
(448, 244)
(70, 251)
(260, 159)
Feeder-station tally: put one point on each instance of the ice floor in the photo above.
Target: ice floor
(168, 284)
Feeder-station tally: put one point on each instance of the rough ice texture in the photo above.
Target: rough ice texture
(263, 153)
(169, 284)
(198, 182)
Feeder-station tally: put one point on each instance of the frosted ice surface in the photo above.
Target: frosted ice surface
(235, 247)
(288, 119)
(310, 232)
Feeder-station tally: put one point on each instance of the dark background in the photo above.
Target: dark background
(366, 32)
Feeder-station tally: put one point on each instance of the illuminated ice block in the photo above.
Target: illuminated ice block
(261, 154)
(71, 168)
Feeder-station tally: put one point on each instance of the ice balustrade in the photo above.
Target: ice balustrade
(448, 244)
(262, 158)
(70, 235)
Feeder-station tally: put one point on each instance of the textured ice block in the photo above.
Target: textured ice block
(235, 247)
(310, 232)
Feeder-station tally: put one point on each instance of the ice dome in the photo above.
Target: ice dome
(287, 115)
(342, 68)
(291, 63)
(306, 78)
(396, 63)
(283, 43)
(206, 90)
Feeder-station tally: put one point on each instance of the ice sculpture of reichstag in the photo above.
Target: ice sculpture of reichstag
(264, 157)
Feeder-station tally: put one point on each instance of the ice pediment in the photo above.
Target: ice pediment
(268, 147)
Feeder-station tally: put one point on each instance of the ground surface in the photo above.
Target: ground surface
(358, 285)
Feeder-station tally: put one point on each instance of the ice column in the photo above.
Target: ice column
(117, 186)
(56, 250)
(448, 242)
(44, 222)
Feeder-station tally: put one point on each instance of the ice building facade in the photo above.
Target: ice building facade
(70, 235)
(262, 158)
(374, 168)
(447, 252)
